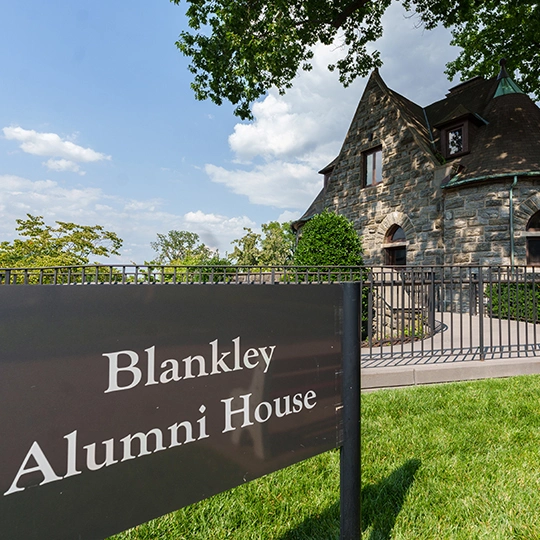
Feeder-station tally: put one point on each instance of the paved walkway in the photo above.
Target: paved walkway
(464, 347)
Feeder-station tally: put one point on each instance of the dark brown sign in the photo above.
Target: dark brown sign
(122, 403)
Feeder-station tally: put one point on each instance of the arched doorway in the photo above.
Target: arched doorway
(532, 235)
(395, 246)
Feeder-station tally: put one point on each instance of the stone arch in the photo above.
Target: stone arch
(525, 210)
(528, 238)
(395, 218)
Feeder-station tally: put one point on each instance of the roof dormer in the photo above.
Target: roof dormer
(457, 130)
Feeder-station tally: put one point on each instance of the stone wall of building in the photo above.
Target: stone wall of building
(408, 195)
(476, 226)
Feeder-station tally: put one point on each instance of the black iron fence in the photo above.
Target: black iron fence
(409, 315)
(451, 313)
(164, 274)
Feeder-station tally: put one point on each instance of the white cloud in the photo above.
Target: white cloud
(287, 216)
(278, 184)
(44, 195)
(314, 113)
(212, 228)
(277, 131)
(291, 138)
(201, 217)
(51, 144)
(148, 205)
(63, 165)
(136, 222)
(297, 134)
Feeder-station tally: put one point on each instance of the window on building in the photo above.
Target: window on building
(373, 167)
(533, 240)
(395, 247)
(455, 140)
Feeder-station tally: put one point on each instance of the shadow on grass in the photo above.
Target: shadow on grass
(321, 526)
(382, 502)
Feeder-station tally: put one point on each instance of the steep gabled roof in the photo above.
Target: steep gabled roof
(508, 145)
(472, 96)
(507, 140)
(414, 116)
(316, 207)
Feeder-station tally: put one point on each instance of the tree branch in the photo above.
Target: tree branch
(347, 12)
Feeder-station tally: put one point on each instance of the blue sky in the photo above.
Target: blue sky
(98, 124)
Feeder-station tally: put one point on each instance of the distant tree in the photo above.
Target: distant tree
(271, 248)
(328, 239)
(182, 257)
(246, 249)
(277, 244)
(62, 245)
(181, 247)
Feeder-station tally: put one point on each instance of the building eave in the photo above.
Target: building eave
(456, 180)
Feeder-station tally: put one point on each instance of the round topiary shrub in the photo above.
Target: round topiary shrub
(328, 239)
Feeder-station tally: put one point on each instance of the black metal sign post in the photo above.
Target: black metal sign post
(350, 450)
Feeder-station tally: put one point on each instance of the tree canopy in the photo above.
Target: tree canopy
(61, 245)
(506, 28)
(184, 248)
(273, 248)
(277, 244)
(180, 247)
(241, 49)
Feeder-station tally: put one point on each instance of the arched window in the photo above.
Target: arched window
(395, 246)
(533, 240)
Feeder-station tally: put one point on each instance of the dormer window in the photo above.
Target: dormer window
(455, 140)
(457, 130)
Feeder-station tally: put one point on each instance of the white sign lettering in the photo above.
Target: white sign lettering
(140, 444)
(214, 362)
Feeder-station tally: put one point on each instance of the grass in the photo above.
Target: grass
(300, 502)
(458, 461)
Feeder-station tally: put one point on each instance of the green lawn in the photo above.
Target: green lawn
(459, 461)
(299, 502)
(456, 461)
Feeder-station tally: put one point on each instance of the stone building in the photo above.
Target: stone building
(456, 182)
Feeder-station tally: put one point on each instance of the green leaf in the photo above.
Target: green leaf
(61, 245)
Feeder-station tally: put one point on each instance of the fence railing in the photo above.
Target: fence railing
(415, 314)
(166, 274)
(450, 313)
